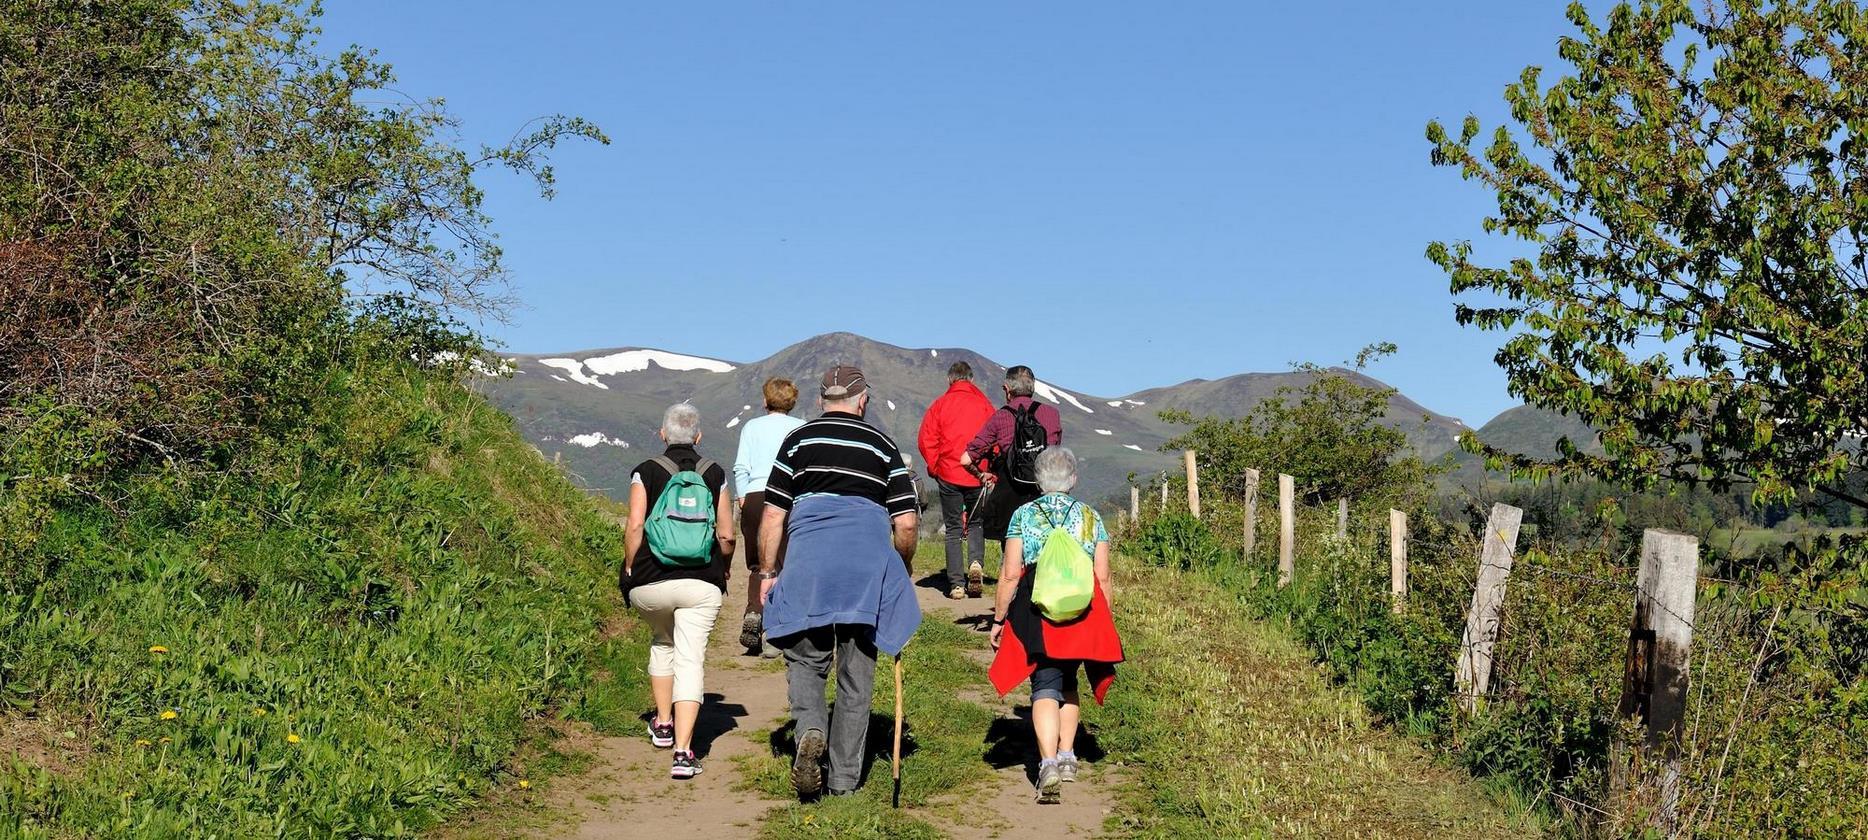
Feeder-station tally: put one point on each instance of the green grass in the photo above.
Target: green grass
(341, 634)
(1228, 731)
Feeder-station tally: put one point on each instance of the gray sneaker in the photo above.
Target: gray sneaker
(1050, 784)
(1067, 769)
(767, 650)
(807, 767)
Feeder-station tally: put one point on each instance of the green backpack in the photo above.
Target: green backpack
(1066, 576)
(680, 522)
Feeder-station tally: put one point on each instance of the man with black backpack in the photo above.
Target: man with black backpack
(1008, 448)
(676, 550)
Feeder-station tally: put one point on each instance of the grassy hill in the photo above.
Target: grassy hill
(341, 634)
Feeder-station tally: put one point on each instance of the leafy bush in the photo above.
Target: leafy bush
(1178, 540)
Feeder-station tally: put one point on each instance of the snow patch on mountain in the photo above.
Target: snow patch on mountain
(592, 439)
(1114, 403)
(733, 422)
(1058, 396)
(630, 361)
(1131, 446)
(574, 369)
(1104, 432)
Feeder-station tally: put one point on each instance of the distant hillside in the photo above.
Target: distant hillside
(599, 409)
(1532, 431)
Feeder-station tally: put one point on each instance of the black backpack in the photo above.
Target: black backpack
(1028, 439)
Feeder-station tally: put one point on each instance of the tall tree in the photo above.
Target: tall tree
(1693, 198)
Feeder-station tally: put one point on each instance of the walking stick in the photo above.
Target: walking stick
(896, 800)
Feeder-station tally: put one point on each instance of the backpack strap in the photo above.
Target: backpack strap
(666, 463)
(702, 466)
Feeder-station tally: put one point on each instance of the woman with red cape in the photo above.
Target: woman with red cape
(1050, 653)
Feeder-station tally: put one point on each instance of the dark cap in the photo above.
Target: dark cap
(843, 382)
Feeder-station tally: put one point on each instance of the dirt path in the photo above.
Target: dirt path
(627, 793)
(1010, 808)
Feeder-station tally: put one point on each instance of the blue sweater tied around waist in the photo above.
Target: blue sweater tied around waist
(841, 568)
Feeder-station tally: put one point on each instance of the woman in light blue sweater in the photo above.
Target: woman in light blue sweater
(758, 447)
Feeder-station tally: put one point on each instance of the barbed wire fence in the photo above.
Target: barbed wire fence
(1661, 673)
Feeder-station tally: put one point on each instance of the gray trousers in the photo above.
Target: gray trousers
(807, 667)
(954, 503)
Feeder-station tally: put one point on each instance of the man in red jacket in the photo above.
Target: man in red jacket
(950, 424)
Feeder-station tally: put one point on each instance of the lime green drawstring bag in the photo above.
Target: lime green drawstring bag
(1066, 575)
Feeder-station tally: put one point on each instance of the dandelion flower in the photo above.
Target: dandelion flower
(143, 742)
(170, 714)
(259, 711)
(523, 784)
(165, 739)
(158, 649)
(291, 738)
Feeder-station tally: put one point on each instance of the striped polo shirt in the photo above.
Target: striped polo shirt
(839, 454)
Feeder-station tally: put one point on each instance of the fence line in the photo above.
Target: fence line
(1655, 691)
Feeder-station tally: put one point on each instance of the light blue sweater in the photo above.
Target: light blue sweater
(758, 448)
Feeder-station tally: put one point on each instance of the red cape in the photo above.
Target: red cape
(1091, 639)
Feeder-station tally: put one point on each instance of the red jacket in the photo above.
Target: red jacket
(949, 425)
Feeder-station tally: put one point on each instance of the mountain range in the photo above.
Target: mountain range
(599, 410)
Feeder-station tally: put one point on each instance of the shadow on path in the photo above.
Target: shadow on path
(1011, 743)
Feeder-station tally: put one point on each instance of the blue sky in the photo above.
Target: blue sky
(1120, 195)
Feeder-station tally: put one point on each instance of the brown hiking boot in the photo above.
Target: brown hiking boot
(975, 581)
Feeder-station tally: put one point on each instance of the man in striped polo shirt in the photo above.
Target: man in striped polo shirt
(842, 493)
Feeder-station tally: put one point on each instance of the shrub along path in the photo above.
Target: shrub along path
(1219, 726)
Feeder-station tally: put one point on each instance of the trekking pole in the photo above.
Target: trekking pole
(896, 800)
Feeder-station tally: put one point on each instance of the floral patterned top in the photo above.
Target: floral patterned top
(1033, 521)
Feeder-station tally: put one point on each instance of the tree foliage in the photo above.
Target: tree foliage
(1695, 195)
(192, 196)
(1327, 435)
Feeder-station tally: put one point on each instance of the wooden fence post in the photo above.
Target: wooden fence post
(1287, 529)
(1342, 519)
(1164, 492)
(557, 457)
(1473, 673)
(1193, 485)
(1397, 559)
(1135, 503)
(1251, 512)
(1660, 638)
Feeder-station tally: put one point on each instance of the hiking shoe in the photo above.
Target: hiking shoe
(767, 650)
(1050, 784)
(957, 593)
(807, 767)
(1067, 769)
(975, 581)
(751, 630)
(662, 735)
(686, 765)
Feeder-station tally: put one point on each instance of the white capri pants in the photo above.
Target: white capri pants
(681, 614)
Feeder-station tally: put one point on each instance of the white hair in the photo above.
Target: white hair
(1057, 470)
(681, 423)
(1020, 382)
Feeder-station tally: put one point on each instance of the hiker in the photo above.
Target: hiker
(949, 425)
(1010, 442)
(758, 445)
(1054, 595)
(842, 493)
(677, 550)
